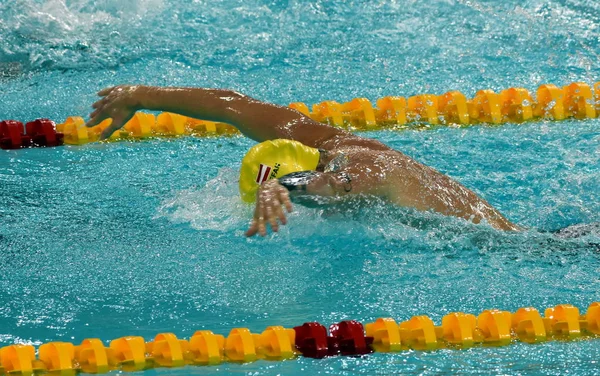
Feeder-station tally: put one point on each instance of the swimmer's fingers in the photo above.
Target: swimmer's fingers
(253, 229)
(281, 215)
(257, 227)
(270, 199)
(99, 114)
(118, 103)
(284, 198)
(106, 91)
(262, 227)
(274, 213)
(101, 102)
(106, 133)
(118, 120)
(271, 216)
(258, 222)
(96, 118)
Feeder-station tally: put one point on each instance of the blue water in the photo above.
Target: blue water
(138, 238)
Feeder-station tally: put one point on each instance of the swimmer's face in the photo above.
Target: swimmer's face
(317, 183)
(330, 184)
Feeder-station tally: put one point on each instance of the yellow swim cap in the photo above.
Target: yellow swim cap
(271, 160)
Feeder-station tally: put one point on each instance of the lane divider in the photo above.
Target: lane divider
(514, 105)
(458, 330)
(577, 100)
(40, 132)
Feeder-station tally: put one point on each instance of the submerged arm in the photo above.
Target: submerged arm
(258, 120)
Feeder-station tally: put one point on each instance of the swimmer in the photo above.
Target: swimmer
(320, 160)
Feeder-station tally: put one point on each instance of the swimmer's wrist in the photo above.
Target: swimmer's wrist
(142, 97)
(158, 98)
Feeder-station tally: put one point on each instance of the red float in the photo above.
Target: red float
(349, 338)
(43, 133)
(311, 340)
(12, 135)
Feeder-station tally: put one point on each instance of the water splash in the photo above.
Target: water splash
(216, 206)
(83, 34)
(73, 34)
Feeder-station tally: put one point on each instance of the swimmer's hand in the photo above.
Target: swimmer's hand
(270, 199)
(118, 103)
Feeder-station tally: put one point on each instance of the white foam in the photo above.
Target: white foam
(71, 32)
(215, 206)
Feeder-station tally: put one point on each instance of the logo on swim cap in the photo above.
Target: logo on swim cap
(266, 172)
(273, 159)
(263, 173)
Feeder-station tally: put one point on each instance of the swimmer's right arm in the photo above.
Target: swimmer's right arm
(258, 120)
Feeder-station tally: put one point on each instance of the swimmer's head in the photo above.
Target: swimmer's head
(274, 159)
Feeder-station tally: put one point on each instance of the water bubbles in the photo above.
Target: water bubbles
(216, 206)
(550, 105)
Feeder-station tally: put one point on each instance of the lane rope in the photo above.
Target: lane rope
(577, 100)
(458, 330)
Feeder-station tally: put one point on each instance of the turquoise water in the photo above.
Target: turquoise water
(138, 238)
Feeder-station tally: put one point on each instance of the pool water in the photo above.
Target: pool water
(138, 238)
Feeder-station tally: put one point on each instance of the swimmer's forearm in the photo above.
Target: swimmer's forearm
(255, 119)
(205, 104)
